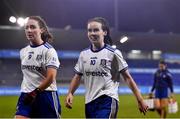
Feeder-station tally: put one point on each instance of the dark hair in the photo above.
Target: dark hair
(46, 35)
(105, 27)
(162, 62)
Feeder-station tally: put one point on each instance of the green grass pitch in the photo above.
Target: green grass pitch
(127, 108)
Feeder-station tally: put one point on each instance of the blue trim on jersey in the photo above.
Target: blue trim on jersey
(47, 45)
(124, 69)
(97, 49)
(52, 66)
(79, 73)
(110, 48)
(34, 46)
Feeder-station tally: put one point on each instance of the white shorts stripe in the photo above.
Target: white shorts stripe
(113, 109)
(55, 103)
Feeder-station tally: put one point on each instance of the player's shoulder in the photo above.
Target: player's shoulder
(24, 48)
(168, 73)
(48, 45)
(157, 72)
(113, 50)
(48, 48)
(110, 48)
(85, 50)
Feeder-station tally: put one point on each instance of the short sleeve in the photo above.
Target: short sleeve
(52, 59)
(22, 53)
(79, 65)
(121, 63)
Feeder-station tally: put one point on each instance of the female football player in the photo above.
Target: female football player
(39, 64)
(99, 65)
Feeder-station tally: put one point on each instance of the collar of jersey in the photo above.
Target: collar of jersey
(97, 49)
(34, 46)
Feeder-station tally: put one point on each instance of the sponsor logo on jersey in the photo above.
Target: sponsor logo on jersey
(103, 62)
(54, 59)
(106, 63)
(98, 73)
(93, 58)
(31, 67)
(164, 76)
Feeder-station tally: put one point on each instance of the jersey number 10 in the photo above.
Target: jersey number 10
(93, 62)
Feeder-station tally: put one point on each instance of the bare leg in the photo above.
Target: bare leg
(157, 106)
(163, 105)
(20, 117)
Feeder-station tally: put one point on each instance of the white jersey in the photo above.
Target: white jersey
(99, 69)
(34, 63)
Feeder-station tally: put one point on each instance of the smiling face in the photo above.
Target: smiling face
(33, 31)
(95, 32)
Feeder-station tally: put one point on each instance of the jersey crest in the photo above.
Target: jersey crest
(39, 57)
(103, 62)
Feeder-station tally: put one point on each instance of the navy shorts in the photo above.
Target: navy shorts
(161, 93)
(102, 107)
(46, 105)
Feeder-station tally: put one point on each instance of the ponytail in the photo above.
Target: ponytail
(107, 38)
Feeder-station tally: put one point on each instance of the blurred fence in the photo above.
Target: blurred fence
(81, 90)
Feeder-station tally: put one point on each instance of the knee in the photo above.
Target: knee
(157, 106)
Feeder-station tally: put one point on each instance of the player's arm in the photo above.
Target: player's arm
(154, 83)
(52, 64)
(151, 95)
(132, 85)
(170, 84)
(72, 88)
(51, 75)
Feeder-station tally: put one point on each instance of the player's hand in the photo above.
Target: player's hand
(143, 108)
(151, 95)
(69, 101)
(172, 95)
(30, 97)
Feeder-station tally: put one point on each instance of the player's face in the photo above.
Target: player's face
(95, 32)
(162, 66)
(33, 30)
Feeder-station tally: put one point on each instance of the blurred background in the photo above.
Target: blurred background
(144, 30)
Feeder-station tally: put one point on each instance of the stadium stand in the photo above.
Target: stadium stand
(13, 39)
